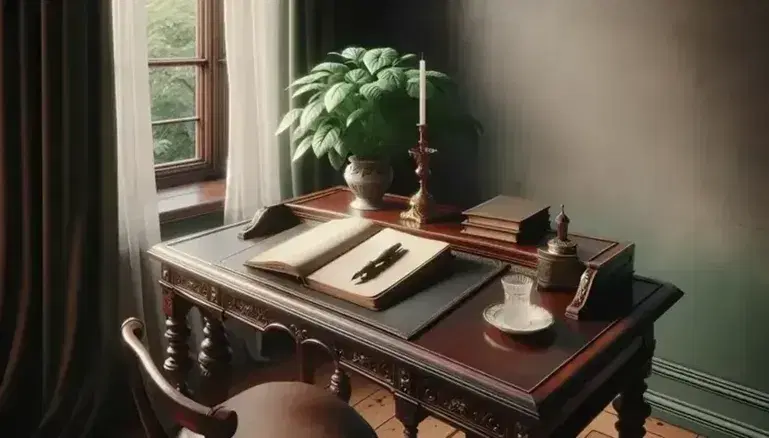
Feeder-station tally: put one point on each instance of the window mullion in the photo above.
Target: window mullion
(177, 120)
(176, 62)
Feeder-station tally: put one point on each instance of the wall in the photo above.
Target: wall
(649, 120)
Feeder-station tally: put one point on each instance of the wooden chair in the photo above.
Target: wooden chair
(269, 410)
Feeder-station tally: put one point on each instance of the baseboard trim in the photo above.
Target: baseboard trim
(710, 383)
(706, 418)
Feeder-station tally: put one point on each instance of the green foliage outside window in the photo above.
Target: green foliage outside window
(171, 33)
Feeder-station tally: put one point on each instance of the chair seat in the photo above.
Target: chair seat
(290, 410)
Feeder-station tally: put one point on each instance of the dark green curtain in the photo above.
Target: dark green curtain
(58, 203)
(310, 33)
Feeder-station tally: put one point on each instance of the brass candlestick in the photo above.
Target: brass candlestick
(421, 203)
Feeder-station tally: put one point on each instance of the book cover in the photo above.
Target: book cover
(508, 209)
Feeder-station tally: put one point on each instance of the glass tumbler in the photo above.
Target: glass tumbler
(517, 289)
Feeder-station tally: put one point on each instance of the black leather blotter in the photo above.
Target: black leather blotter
(404, 319)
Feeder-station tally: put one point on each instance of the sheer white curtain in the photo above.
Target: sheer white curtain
(137, 197)
(256, 71)
(253, 35)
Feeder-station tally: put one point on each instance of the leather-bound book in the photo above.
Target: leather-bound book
(510, 214)
(530, 234)
(489, 233)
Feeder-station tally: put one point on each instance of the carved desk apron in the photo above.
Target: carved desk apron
(457, 369)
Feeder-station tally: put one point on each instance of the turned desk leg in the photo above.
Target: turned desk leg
(177, 362)
(214, 356)
(214, 361)
(632, 409)
(410, 415)
(340, 385)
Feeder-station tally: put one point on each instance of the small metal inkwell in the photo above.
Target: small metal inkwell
(559, 267)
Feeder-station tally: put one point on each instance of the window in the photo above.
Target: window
(188, 94)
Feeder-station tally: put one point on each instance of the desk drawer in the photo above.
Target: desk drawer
(459, 405)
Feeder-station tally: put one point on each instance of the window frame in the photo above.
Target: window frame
(210, 102)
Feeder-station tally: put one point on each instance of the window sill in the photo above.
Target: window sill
(191, 200)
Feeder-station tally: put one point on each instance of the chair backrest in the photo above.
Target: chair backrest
(209, 422)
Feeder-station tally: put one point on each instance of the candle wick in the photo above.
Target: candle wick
(422, 55)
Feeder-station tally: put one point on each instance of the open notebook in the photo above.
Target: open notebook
(326, 257)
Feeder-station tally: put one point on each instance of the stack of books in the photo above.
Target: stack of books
(508, 219)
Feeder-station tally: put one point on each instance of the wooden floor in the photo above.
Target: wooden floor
(377, 406)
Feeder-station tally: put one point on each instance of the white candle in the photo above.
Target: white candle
(422, 93)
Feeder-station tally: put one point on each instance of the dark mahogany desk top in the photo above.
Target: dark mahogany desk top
(530, 372)
(463, 336)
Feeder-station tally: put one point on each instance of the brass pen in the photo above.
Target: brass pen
(383, 258)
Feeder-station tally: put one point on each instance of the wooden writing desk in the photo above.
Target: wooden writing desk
(458, 369)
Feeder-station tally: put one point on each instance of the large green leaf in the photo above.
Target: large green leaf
(358, 76)
(437, 75)
(387, 85)
(413, 73)
(336, 160)
(310, 78)
(307, 88)
(299, 133)
(319, 136)
(332, 141)
(303, 147)
(348, 105)
(377, 59)
(412, 88)
(332, 67)
(340, 148)
(335, 78)
(337, 94)
(441, 81)
(289, 119)
(391, 78)
(353, 53)
(311, 112)
(325, 138)
(371, 91)
(406, 59)
(355, 115)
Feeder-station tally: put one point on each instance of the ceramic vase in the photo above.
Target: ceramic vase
(368, 180)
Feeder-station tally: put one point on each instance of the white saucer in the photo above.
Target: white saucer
(538, 319)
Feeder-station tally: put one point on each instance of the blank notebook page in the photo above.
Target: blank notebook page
(339, 272)
(315, 243)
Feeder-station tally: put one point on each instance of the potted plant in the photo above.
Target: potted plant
(362, 105)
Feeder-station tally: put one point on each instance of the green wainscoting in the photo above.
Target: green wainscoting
(707, 404)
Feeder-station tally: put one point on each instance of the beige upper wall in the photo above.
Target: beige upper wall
(649, 120)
